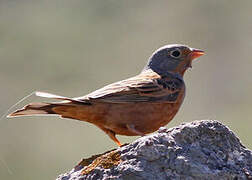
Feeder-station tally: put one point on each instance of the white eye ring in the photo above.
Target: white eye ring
(175, 53)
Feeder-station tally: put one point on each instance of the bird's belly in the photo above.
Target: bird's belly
(145, 117)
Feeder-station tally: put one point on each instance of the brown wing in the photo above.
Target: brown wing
(148, 86)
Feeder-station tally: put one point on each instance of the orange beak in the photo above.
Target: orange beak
(195, 53)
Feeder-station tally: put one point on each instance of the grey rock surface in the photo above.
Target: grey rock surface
(198, 150)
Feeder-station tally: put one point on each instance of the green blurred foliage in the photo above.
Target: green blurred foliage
(74, 47)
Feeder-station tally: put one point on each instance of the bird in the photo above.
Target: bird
(133, 107)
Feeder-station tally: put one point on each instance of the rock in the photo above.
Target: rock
(198, 150)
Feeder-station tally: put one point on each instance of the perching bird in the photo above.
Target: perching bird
(135, 106)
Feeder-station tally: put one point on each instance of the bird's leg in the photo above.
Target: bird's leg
(111, 134)
(132, 128)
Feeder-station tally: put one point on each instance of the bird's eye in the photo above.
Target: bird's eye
(176, 53)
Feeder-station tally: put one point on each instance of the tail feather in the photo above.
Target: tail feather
(41, 108)
(53, 96)
(34, 109)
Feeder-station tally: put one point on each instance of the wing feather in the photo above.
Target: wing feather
(148, 86)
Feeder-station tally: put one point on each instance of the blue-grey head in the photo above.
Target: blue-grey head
(173, 58)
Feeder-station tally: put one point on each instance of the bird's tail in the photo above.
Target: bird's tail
(34, 109)
(41, 108)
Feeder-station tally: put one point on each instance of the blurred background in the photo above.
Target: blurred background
(71, 48)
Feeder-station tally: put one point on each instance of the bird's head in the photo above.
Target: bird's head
(174, 58)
